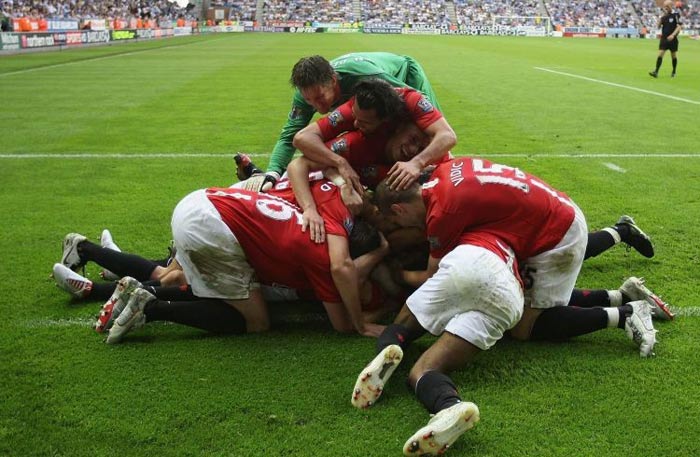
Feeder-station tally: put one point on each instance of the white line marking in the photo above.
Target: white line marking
(71, 322)
(172, 155)
(614, 167)
(622, 86)
(686, 311)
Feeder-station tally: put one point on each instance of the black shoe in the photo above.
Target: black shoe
(634, 236)
(245, 168)
(653, 74)
(673, 75)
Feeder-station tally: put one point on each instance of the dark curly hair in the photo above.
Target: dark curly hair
(379, 95)
(311, 71)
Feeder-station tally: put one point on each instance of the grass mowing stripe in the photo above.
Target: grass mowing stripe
(622, 86)
(97, 58)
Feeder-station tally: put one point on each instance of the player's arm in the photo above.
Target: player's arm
(417, 278)
(345, 279)
(442, 139)
(366, 262)
(311, 142)
(298, 118)
(298, 173)
(677, 30)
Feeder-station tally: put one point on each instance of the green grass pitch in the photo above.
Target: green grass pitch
(80, 134)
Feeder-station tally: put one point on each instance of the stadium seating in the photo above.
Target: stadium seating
(489, 12)
(308, 11)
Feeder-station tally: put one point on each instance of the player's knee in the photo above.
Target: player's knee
(523, 328)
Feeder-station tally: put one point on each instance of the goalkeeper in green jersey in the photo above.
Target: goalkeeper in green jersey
(321, 85)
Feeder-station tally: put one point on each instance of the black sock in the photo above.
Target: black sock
(562, 322)
(625, 312)
(102, 290)
(598, 242)
(119, 263)
(172, 293)
(212, 315)
(674, 61)
(585, 298)
(395, 334)
(436, 391)
(658, 63)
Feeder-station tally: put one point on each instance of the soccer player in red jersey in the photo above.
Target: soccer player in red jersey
(483, 219)
(228, 239)
(375, 110)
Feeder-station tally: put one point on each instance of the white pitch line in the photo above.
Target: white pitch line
(168, 155)
(614, 167)
(622, 86)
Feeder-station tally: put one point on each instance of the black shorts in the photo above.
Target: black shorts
(665, 45)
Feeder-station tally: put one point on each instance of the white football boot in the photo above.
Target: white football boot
(116, 303)
(370, 382)
(70, 257)
(106, 241)
(635, 289)
(77, 285)
(131, 318)
(640, 329)
(442, 430)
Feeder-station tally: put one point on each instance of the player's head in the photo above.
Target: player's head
(668, 6)
(404, 208)
(375, 103)
(406, 142)
(364, 238)
(317, 82)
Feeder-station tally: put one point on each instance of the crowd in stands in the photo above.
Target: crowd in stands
(414, 12)
(88, 9)
(308, 11)
(240, 10)
(591, 13)
(488, 12)
(441, 13)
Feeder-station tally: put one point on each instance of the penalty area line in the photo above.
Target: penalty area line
(621, 86)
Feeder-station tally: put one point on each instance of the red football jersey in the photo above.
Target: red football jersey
(268, 228)
(474, 195)
(419, 108)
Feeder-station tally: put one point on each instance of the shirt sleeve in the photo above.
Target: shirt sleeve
(421, 111)
(298, 118)
(338, 121)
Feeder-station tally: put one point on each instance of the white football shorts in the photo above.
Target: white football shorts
(474, 295)
(554, 272)
(211, 257)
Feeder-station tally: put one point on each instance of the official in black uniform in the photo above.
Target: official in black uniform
(670, 24)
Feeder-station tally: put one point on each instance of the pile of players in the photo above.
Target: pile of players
(464, 249)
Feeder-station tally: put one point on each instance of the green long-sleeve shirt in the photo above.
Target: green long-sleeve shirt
(399, 71)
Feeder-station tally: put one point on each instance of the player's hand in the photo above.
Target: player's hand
(260, 182)
(351, 199)
(314, 222)
(372, 330)
(402, 175)
(350, 176)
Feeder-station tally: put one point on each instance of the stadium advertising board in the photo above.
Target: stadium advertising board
(343, 30)
(498, 30)
(584, 32)
(382, 28)
(37, 40)
(68, 38)
(9, 41)
(120, 35)
(304, 29)
(59, 25)
(181, 31)
(627, 32)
